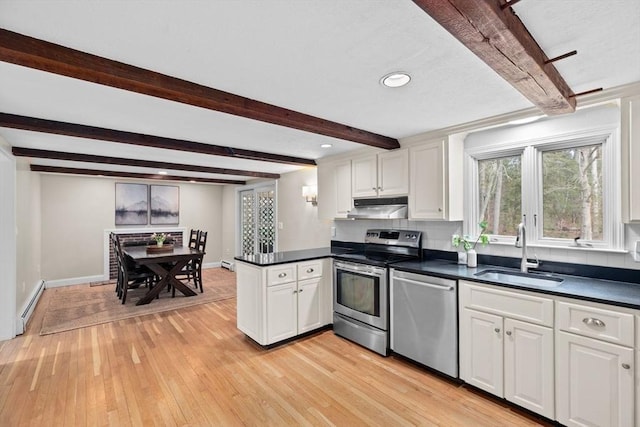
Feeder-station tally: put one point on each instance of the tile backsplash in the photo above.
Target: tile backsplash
(437, 235)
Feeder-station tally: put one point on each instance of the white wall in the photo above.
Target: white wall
(28, 248)
(8, 246)
(229, 222)
(77, 209)
(301, 228)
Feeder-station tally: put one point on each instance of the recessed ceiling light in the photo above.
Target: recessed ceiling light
(162, 172)
(525, 120)
(396, 79)
(326, 145)
(193, 181)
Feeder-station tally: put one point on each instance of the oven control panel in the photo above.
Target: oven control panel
(394, 237)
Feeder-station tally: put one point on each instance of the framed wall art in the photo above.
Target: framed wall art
(132, 204)
(165, 204)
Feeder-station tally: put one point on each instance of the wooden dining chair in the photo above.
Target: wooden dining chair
(193, 270)
(189, 271)
(130, 274)
(194, 235)
(202, 245)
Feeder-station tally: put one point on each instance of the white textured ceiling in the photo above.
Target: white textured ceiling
(322, 58)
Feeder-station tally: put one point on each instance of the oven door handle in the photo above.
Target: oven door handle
(358, 269)
(426, 284)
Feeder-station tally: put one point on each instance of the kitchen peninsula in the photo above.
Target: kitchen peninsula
(284, 294)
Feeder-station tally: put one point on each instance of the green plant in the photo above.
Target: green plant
(467, 243)
(159, 237)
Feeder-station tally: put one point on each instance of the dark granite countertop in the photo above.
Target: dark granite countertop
(598, 290)
(266, 260)
(619, 293)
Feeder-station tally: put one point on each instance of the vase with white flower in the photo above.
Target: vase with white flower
(159, 238)
(469, 244)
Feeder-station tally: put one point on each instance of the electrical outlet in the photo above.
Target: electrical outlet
(636, 251)
(333, 232)
(280, 226)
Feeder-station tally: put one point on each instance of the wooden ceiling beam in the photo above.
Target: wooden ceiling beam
(101, 134)
(90, 158)
(30, 52)
(501, 40)
(117, 174)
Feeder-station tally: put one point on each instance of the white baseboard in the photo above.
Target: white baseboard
(74, 281)
(211, 265)
(24, 314)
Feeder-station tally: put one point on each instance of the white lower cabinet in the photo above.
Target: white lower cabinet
(481, 350)
(505, 356)
(595, 377)
(293, 309)
(310, 310)
(528, 366)
(282, 312)
(280, 302)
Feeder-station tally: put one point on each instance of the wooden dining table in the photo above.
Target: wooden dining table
(166, 265)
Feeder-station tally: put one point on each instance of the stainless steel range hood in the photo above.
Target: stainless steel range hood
(379, 208)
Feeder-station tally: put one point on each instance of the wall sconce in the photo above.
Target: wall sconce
(310, 193)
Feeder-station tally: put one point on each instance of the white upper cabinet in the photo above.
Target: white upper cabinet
(364, 176)
(630, 159)
(435, 184)
(334, 189)
(381, 175)
(342, 185)
(393, 173)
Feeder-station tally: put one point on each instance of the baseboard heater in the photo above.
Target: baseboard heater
(227, 264)
(28, 310)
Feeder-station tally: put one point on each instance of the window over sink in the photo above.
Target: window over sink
(564, 187)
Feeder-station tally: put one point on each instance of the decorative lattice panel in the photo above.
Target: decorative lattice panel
(248, 222)
(266, 221)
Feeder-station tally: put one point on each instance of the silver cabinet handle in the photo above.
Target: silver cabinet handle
(508, 333)
(295, 291)
(300, 290)
(497, 330)
(374, 188)
(593, 321)
(626, 366)
(380, 189)
(309, 270)
(281, 275)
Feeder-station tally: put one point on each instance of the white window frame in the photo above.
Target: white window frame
(531, 151)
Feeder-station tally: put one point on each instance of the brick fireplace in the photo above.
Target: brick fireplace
(135, 235)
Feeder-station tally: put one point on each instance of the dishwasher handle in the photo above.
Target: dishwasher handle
(425, 284)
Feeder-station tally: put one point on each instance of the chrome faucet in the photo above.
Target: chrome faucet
(521, 242)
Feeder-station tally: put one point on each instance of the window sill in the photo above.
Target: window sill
(568, 247)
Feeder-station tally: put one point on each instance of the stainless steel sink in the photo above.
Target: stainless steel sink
(520, 278)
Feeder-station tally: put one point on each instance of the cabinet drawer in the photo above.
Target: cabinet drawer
(514, 305)
(309, 269)
(607, 325)
(281, 274)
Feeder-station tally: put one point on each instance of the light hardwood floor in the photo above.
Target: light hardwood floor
(193, 367)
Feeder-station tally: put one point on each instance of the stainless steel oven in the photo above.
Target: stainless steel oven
(361, 293)
(361, 286)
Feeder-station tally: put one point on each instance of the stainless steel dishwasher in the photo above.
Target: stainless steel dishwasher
(424, 320)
